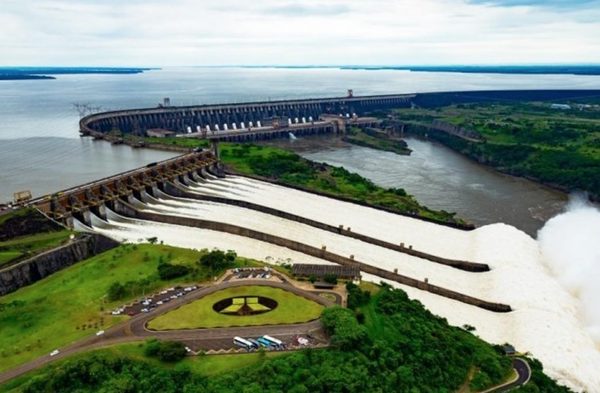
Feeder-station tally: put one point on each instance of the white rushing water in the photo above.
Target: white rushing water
(547, 320)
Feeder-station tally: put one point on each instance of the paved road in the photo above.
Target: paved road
(524, 374)
(134, 329)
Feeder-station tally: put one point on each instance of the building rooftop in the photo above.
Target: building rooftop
(307, 270)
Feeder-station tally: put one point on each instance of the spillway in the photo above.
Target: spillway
(545, 320)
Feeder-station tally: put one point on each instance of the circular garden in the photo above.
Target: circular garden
(240, 306)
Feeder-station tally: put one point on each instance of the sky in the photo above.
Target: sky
(298, 32)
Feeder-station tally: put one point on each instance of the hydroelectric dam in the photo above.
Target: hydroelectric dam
(491, 278)
(244, 121)
(193, 191)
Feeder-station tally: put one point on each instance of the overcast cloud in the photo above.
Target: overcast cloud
(390, 32)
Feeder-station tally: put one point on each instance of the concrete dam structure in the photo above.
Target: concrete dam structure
(245, 120)
(79, 202)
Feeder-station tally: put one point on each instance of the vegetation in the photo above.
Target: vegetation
(22, 247)
(402, 348)
(558, 147)
(218, 260)
(75, 302)
(168, 271)
(291, 169)
(376, 139)
(25, 233)
(200, 314)
(166, 351)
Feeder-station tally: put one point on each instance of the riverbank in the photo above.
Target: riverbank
(376, 139)
(557, 147)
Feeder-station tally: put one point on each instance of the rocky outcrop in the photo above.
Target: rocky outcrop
(25, 222)
(42, 265)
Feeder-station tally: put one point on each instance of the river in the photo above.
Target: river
(442, 179)
(40, 149)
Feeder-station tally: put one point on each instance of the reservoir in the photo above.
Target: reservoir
(442, 179)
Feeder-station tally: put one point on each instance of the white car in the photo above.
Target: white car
(55, 352)
(116, 312)
(158, 303)
(145, 310)
(188, 349)
(163, 292)
(99, 333)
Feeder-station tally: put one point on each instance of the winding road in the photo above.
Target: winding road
(134, 329)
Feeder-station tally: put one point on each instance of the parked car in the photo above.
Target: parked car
(55, 352)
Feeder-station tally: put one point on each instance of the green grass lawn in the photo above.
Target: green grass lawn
(31, 245)
(207, 366)
(72, 304)
(200, 314)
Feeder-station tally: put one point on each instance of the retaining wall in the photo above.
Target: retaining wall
(42, 265)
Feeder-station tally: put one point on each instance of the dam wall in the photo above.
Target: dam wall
(36, 268)
(219, 117)
(126, 209)
(92, 197)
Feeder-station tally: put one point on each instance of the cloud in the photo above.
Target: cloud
(394, 32)
(299, 10)
(573, 4)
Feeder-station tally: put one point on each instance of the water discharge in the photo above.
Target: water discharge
(546, 321)
(571, 248)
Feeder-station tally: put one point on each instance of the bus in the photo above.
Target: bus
(255, 343)
(264, 343)
(274, 341)
(242, 342)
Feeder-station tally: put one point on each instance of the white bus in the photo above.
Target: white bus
(242, 342)
(275, 341)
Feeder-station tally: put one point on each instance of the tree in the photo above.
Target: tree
(167, 271)
(116, 291)
(330, 278)
(167, 351)
(218, 260)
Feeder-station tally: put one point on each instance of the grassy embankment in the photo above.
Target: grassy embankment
(290, 169)
(25, 233)
(376, 139)
(24, 246)
(73, 303)
(557, 147)
(290, 308)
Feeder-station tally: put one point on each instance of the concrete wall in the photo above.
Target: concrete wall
(42, 265)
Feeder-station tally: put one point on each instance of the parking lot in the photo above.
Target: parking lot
(150, 302)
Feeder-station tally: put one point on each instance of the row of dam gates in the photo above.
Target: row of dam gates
(243, 121)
